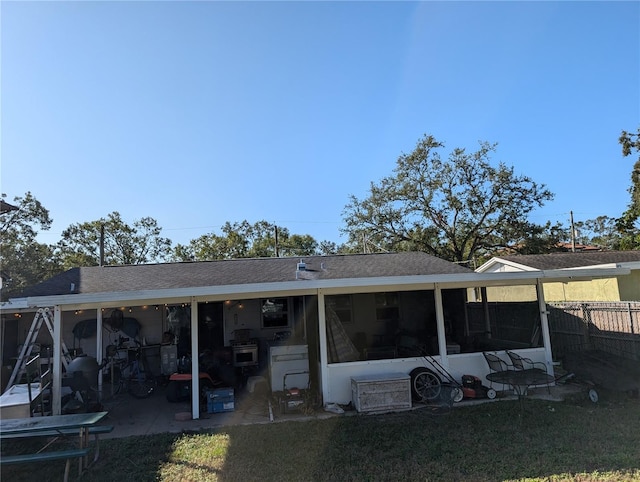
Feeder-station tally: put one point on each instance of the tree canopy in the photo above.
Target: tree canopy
(245, 240)
(461, 207)
(600, 232)
(458, 208)
(24, 260)
(629, 223)
(123, 243)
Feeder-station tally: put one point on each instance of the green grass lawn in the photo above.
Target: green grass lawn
(495, 441)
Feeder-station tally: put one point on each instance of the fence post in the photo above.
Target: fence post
(630, 317)
(586, 316)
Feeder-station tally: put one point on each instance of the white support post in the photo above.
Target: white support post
(195, 369)
(442, 335)
(322, 328)
(485, 308)
(56, 386)
(99, 350)
(466, 312)
(544, 324)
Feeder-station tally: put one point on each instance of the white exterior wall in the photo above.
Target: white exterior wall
(336, 377)
(339, 374)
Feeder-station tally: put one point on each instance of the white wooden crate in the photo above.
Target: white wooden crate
(385, 392)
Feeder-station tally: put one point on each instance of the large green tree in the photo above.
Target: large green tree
(245, 240)
(137, 243)
(23, 260)
(459, 208)
(629, 223)
(601, 232)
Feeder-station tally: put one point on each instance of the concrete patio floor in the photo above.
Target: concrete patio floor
(154, 415)
(131, 416)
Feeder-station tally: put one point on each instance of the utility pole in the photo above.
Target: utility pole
(573, 234)
(101, 244)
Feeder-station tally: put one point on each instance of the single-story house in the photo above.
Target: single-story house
(574, 288)
(335, 317)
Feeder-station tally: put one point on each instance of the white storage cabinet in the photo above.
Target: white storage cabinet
(289, 360)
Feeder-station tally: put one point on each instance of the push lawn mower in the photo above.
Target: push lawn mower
(472, 387)
(434, 384)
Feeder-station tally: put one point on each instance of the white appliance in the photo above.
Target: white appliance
(291, 361)
(245, 354)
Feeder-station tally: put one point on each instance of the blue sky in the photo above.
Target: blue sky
(198, 113)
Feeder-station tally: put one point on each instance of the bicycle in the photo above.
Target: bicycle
(131, 374)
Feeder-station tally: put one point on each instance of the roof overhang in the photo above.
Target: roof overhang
(307, 287)
(493, 263)
(632, 265)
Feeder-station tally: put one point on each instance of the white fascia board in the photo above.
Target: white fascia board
(169, 296)
(217, 293)
(13, 305)
(310, 287)
(593, 266)
(499, 261)
(221, 293)
(489, 264)
(583, 274)
(514, 278)
(632, 265)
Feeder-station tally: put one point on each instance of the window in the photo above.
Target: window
(275, 313)
(341, 305)
(380, 325)
(387, 307)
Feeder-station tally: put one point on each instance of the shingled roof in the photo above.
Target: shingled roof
(104, 279)
(572, 260)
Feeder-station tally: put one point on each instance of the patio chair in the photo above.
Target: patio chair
(523, 363)
(496, 365)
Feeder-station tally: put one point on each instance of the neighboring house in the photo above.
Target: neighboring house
(348, 315)
(617, 288)
(576, 247)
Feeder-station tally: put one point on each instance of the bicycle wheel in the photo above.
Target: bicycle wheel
(425, 385)
(140, 387)
(141, 383)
